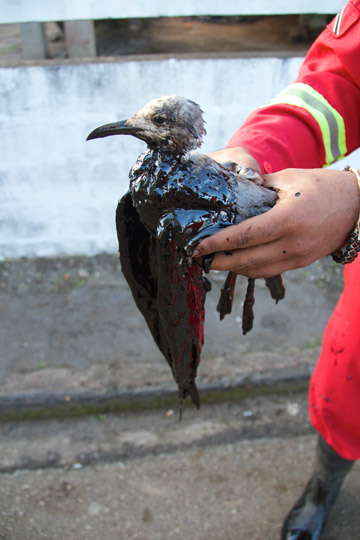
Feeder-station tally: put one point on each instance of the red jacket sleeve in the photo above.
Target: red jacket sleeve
(317, 120)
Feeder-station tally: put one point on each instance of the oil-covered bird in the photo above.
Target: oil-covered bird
(176, 198)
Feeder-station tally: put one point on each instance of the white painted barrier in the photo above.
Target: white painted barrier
(58, 193)
(18, 11)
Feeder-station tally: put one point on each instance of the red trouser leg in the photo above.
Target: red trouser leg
(334, 394)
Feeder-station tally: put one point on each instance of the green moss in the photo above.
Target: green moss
(118, 405)
(41, 365)
(312, 344)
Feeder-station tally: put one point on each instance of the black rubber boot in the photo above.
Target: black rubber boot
(306, 521)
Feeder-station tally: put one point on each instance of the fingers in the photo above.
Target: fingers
(262, 261)
(257, 230)
(248, 261)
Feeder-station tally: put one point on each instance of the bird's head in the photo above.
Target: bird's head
(170, 124)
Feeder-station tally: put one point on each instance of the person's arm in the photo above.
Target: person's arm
(315, 121)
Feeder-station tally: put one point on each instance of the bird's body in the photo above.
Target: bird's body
(159, 182)
(175, 200)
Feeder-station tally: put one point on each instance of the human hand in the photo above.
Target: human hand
(314, 215)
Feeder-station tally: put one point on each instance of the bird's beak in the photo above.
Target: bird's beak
(117, 128)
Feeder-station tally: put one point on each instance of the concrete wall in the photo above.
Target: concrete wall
(60, 10)
(58, 193)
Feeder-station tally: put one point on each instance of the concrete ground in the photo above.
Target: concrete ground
(230, 471)
(69, 327)
(73, 344)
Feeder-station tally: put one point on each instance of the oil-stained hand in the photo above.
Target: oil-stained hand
(314, 215)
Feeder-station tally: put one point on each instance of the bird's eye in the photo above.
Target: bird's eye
(159, 120)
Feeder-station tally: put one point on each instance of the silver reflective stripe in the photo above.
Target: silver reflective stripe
(337, 22)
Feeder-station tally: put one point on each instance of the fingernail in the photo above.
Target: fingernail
(195, 253)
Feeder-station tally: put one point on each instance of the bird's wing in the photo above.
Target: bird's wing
(181, 299)
(137, 249)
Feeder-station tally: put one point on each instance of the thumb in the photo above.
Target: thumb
(237, 155)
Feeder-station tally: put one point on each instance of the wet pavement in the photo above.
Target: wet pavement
(73, 343)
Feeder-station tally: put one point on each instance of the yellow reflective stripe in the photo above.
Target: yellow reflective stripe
(330, 122)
